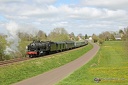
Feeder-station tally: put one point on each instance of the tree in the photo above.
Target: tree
(95, 38)
(126, 40)
(86, 36)
(58, 34)
(25, 36)
(100, 41)
(72, 36)
(80, 36)
(2, 46)
(1, 52)
(121, 31)
(41, 35)
(107, 36)
(126, 33)
(112, 37)
(101, 36)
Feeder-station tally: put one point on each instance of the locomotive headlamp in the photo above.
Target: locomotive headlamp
(26, 47)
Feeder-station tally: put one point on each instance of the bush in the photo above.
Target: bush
(95, 38)
(1, 52)
(100, 41)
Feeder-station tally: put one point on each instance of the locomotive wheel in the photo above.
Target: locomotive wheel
(47, 53)
(30, 56)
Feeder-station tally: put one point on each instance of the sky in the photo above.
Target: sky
(78, 16)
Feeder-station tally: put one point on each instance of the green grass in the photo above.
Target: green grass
(110, 65)
(23, 70)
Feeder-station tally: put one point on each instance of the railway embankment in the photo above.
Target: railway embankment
(53, 76)
(22, 70)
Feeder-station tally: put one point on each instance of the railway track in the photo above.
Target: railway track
(6, 62)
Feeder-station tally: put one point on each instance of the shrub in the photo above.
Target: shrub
(1, 52)
(100, 41)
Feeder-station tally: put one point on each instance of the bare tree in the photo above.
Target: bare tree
(41, 35)
(58, 34)
(126, 40)
(80, 36)
(72, 36)
(126, 33)
(106, 36)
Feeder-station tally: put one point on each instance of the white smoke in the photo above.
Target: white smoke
(12, 36)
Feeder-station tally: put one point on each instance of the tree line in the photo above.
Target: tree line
(110, 36)
(57, 34)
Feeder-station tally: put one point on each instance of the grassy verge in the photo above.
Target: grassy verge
(19, 71)
(110, 65)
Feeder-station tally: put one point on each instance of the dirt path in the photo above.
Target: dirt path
(54, 76)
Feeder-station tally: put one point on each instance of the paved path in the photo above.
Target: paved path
(54, 76)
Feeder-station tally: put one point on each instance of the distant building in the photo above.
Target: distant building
(79, 38)
(117, 37)
(90, 38)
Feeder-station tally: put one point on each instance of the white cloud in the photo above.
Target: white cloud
(43, 14)
(36, 1)
(6, 1)
(111, 4)
(45, 1)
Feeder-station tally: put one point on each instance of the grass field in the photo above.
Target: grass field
(22, 70)
(110, 65)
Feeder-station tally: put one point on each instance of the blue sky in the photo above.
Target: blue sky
(66, 2)
(3, 19)
(78, 16)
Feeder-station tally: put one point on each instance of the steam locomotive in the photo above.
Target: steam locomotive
(39, 48)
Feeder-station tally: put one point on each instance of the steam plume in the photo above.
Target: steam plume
(12, 36)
